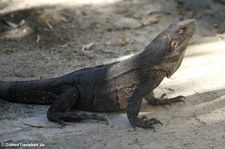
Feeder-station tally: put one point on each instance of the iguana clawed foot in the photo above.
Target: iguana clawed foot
(93, 116)
(61, 117)
(163, 100)
(144, 122)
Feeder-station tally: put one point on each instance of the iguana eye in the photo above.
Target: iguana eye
(173, 43)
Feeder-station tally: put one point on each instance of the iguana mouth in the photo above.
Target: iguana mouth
(189, 33)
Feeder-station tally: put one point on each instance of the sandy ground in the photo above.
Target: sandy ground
(43, 39)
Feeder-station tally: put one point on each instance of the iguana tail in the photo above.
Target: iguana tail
(32, 92)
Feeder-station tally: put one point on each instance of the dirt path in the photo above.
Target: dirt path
(43, 39)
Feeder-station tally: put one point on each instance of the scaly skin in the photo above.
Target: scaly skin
(111, 87)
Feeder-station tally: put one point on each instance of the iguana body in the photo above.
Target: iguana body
(111, 87)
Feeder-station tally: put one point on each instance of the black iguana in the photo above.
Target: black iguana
(112, 87)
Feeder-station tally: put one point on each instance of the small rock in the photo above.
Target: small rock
(10, 50)
(147, 21)
(88, 47)
(124, 41)
(126, 23)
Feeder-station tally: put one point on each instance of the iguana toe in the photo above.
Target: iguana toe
(166, 101)
(146, 123)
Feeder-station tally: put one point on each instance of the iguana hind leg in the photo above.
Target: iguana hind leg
(60, 112)
(163, 100)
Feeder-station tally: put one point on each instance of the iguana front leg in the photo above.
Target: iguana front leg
(163, 100)
(134, 105)
(60, 112)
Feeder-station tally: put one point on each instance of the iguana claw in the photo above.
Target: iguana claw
(145, 123)
(166, 101)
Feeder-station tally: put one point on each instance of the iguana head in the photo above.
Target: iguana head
(178, 36)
